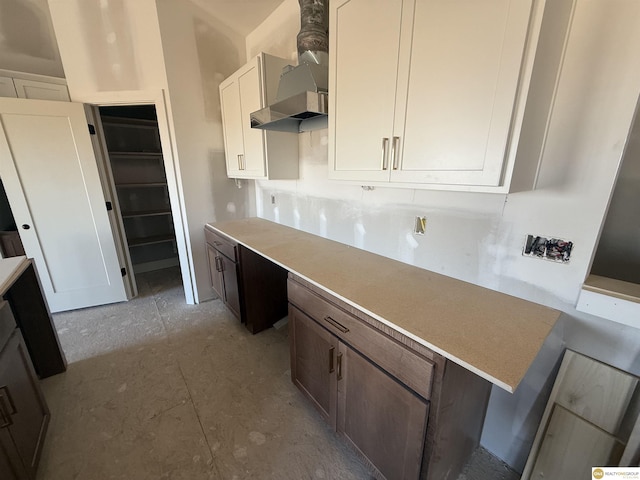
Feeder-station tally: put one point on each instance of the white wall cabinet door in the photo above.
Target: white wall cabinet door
(365, 54)
(464, 73)
(7, 89)
(49, 171)
(251, 152)
(36, 90)
(423, 92)
(253, 161)
(231, 115)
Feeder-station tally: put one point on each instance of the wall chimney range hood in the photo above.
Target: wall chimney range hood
(302, 101)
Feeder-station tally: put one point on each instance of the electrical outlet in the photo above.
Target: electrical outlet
(420, 225)
(554, 249)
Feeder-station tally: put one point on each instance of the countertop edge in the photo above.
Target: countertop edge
(17, 265)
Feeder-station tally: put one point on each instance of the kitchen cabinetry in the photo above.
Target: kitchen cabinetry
(410, 412)
(24, 415)
(445, 84)
(137, 169)
(254, 153)
(38, 87)
(592, 419)
(223, 269)
(252, 287)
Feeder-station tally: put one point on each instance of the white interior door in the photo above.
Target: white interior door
(49, 171)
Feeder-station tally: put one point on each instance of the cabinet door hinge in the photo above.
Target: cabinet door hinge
(92, 129)
(123, 271)
(109, 207)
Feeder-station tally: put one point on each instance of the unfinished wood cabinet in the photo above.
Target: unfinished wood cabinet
(407, 410)
(592, 419)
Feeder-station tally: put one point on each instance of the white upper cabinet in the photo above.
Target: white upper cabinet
(7, 88)
(429, 93)
(35, 87)
(254, 153)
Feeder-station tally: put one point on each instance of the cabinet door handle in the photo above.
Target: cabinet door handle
(385, 151)
(331, 350)
(394, 152)
(4, 392)
(340, 366)
(244, 164)
(219, 264)
(339, 326)
(5, 417)
(239, 162)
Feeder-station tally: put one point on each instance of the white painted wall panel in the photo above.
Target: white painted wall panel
(199, 52)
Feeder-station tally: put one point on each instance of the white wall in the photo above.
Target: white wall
(27, 40)
(199, 53)
(109, 46)
(479, 237)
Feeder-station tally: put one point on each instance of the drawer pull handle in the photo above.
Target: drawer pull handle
(340, 366)
(331, 350)
(340, 327)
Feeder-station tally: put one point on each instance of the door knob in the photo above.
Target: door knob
(25, 226)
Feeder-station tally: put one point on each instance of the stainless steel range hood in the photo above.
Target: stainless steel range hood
(301, 103)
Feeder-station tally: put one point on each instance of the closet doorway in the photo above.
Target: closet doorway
(140, 193)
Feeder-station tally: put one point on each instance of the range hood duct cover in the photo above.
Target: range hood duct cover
(301, 102)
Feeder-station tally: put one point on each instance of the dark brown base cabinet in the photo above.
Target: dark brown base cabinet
(405, 409)
(252, 287)
(24, 415)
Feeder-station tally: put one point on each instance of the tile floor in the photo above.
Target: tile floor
(157, 389)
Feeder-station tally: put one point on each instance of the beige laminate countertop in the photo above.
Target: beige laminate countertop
(494, 335)
(10, 269)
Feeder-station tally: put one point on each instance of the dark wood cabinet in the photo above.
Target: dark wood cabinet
(11, 467)
(223, 269)
(24, 415)
(252, 287)
(380, 417)
(313, 363)
(411, 413)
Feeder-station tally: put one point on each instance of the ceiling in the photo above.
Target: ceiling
(243, 16)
